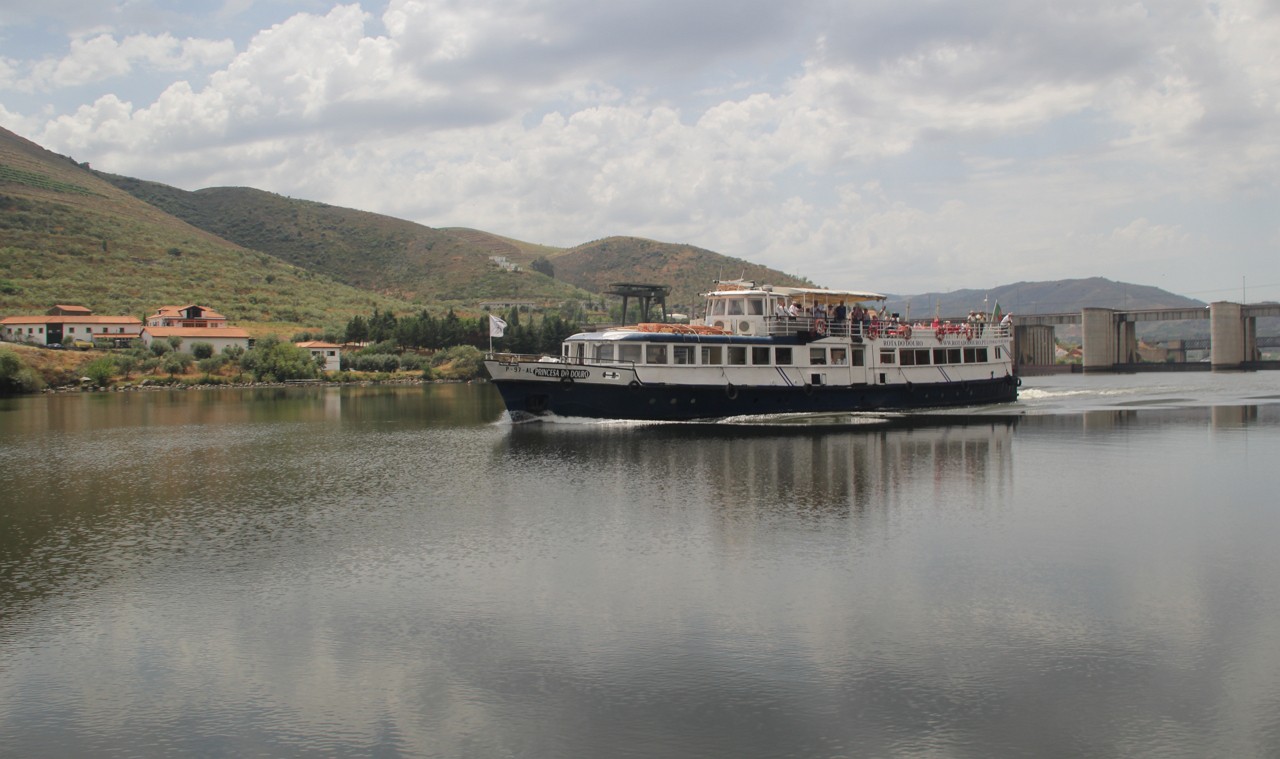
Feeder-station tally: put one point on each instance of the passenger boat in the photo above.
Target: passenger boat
(765, 350)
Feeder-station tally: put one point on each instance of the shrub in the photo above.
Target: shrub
(202, 350)
(100, 370)
(271, 360)
(460, 362)
(16, 376)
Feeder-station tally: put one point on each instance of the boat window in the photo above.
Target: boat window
(940, 356)
(604, 352)
(755, 306)
(657, 354)
(629, 352)
(839, 356)
(737, 355)
(999, 355)
(887, 355)
(817, 356)
(914, 357)
(857, 357)
(682, 354)
(712, 354)
(717, 307)
(760, 355)
(735, 307)
(782, 356)
(975, 355)
(564, 350)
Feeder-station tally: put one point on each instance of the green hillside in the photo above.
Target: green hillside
(370, 251)
(67, 236)
(690, 271)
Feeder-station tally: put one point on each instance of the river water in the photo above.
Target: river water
(398, 571)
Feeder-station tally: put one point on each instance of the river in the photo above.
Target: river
(398, 571)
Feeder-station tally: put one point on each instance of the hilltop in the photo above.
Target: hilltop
(689, 271)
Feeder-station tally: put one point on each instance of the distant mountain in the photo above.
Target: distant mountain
(1061, 296)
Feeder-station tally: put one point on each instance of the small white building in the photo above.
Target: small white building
(219, 337)
(328, 351)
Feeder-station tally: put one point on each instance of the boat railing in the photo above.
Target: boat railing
(786, 326)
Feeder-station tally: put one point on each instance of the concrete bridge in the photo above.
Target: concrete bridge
(1110, 341)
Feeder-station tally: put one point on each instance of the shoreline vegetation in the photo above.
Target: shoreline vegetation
(32, 370)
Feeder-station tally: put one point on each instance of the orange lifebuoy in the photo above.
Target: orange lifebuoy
(820, 326)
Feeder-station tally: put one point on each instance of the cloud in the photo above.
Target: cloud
(908, 143)
(102, 57)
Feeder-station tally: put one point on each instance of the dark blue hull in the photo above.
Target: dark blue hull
(526, 399)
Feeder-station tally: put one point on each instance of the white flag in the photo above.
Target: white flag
(496, 326)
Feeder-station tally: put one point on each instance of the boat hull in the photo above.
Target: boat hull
(532, 399)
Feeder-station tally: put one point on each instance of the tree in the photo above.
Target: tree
(543, 266)
(100, 370)
(274, 361)
(202, 350)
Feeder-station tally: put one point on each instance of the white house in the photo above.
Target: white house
(64, 325)
(328, 351)
(219, 337)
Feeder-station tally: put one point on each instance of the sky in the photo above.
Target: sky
(900, 146)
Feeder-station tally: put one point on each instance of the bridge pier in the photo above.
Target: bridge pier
(1033, 345)
(1109, 335)
(1108, 339)
(1233, 336)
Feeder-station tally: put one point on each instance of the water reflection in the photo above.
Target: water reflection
(397, 572)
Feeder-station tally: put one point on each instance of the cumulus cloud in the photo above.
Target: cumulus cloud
(851, 143)
(102, 57)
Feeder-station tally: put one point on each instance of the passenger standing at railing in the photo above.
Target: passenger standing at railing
(794, 310)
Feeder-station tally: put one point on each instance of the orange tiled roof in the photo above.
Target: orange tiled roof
(70, 320)
(195, 331)
(176, 311)
(317, 344)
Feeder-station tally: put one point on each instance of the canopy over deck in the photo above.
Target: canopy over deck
(804, 294)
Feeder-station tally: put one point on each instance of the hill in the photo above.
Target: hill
(67, 236)
(1066, 295)
(123, 245)
(690, 271)
(382, 254)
